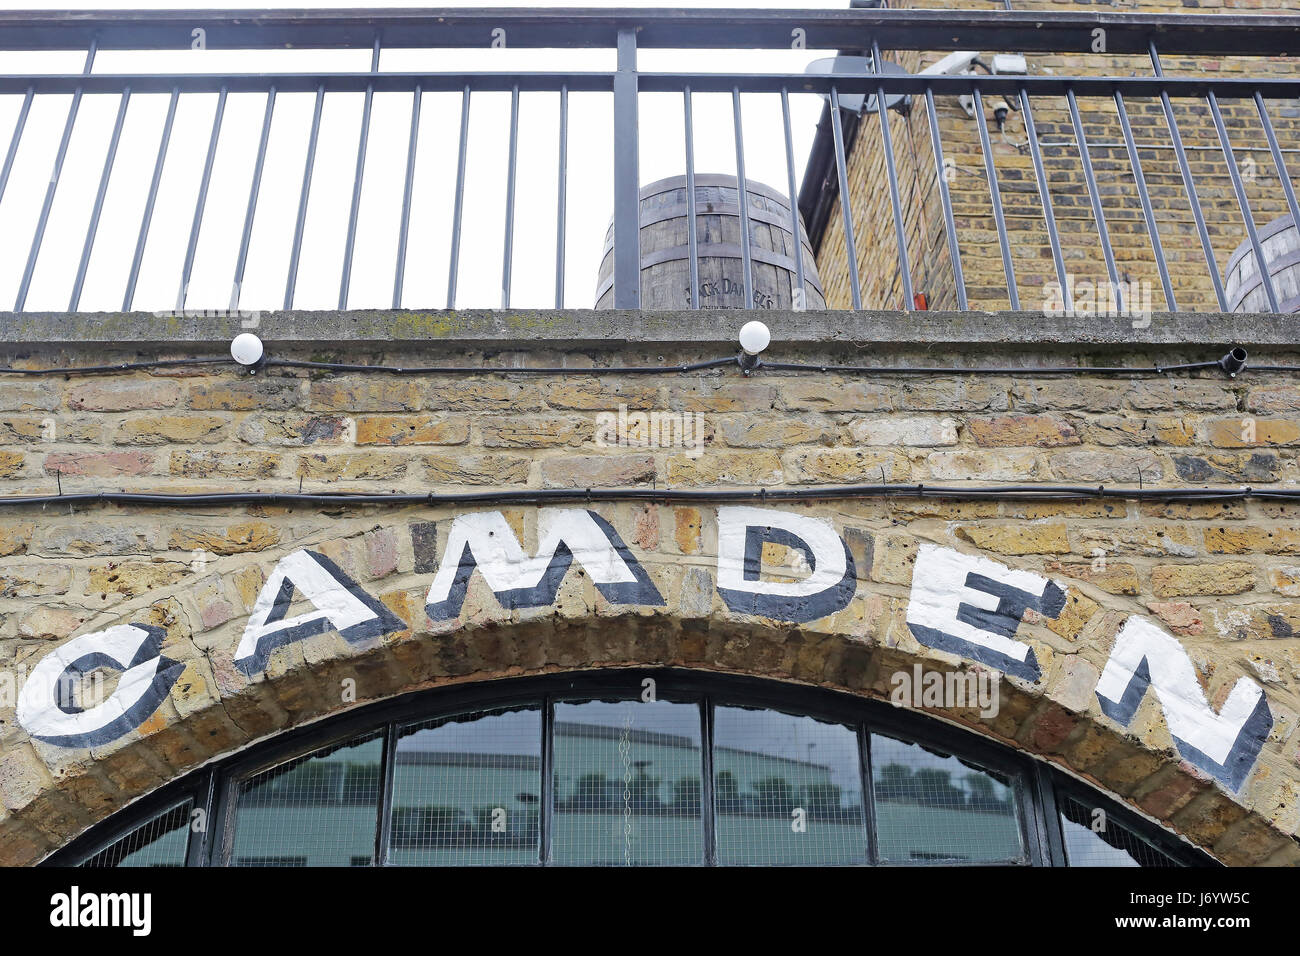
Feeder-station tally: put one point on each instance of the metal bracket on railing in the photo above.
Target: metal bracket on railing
(627, 217)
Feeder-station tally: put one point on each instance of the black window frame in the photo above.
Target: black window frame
(214, 787)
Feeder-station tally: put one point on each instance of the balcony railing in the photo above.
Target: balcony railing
(1111, 170)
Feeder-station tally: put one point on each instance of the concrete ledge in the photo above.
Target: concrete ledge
(588, 328)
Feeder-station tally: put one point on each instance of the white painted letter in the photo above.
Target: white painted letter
(968, 605)
(1225, 744)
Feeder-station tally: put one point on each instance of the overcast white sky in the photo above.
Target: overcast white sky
(590, 173)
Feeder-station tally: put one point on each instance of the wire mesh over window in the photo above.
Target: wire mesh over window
(786, 789)
(160, 841)
(317, 810)
(628, 784)
(580, 779)
(467, 790)
(1093, 838)
(935, 808)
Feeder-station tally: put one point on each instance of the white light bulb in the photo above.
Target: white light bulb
(246, 349)
(754, 337)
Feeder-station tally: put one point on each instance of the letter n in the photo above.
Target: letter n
(1225, 744)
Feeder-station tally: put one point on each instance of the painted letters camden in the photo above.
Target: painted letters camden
(959, 603)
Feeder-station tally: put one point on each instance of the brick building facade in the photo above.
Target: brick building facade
(599, 499)
(968, 184)
(1218, 576)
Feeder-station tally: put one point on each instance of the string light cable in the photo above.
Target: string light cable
(547, 496)
(248, 352)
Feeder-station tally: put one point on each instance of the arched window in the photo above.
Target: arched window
(616, 768)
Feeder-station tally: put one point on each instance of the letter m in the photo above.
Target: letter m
(485, 541)
(1225, 744)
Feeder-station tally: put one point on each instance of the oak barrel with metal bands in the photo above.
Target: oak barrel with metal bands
(665, 250)
(1280, 242)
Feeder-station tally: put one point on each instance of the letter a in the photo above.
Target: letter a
(341, 605)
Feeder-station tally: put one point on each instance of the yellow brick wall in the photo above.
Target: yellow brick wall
(1223, 577)
(931, 271)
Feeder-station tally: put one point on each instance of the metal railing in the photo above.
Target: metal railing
(625, 32)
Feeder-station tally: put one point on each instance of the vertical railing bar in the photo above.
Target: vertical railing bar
(708, 808)
(53, 185)
(19, 126)
(1278, 162)
(191, 248)
(387, 774)
(511, 165)
(197, 848)
(459, 202)
(408, 188)
(1045, 197)
(742, 200)
(255, 187)
(147, 217)
(866, 781)
(100, 193)
(1243, 202)
(795, 232)
(995, 195)
(1094, 197)
(358, 179)
(887, 144)
(546, 810)
(1189, 184)
(296, 252)
(561, 195)
(950, 225)
(1144, 195)
(384, 814)
(692, 240)
(846, 207)
(627, 177)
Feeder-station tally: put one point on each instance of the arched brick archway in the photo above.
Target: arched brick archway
(213, 708)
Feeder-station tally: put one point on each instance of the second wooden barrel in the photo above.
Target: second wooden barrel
(665, 249)
(1280, 242)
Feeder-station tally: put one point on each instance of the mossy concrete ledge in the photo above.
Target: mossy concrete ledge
(585, 327)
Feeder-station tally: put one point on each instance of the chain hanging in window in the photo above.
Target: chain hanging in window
(625, 752)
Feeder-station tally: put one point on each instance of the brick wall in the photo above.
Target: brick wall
(1224, 579)
(986, 283)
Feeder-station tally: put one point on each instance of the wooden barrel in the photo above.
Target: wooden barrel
(1280, 241)
(665, 250)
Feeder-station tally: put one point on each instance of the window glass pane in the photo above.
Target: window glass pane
(317, 810)
(467, 790)
(787, 789)
(932, 807)
(161, 841)
(1092, 840)
(627, 784)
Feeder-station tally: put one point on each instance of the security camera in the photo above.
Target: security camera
(953, 64)
(964, 61)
